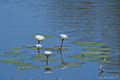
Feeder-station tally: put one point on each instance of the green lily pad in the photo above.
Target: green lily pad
(30, 47)
(93, 60)
(12, 62)
(102, 61)
(15, 47)
(15, 52)
(101, 56)
(22, 64)
(46, 36)
(28, 67)
(48, 66)
(33, 67)
(83, 43)
(21, 55)
(82, 57)
(15, 62)
(87, 59)
(95, 52)
(40, 56)
(77, 56)
(98, 49)
(55, 49)
(72, 64)
(9, 60)
(90, 57)
(56, 59)
(6, 55)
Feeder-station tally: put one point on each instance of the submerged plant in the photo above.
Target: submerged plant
(39, 38)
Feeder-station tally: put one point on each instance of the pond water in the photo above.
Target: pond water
(93, 28)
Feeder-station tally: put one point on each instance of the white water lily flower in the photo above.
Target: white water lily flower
(48, 52)
(63, 36)
(39, 37)
(38, 45)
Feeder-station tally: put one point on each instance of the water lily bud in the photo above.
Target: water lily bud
(38, 45)
(48, 52)
(63, 36)
(39, 37)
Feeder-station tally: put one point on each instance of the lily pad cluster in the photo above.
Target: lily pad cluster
(92, 54)
(89, 54)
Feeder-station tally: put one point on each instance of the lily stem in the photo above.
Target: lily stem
(38, 42)
(47, 60)
(38, 50)
(61, 50)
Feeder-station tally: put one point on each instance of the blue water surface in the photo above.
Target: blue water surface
(81, 20)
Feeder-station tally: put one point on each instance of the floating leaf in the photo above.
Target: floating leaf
(15, 52)
(9, 60)
(87, 59)
(22, 64)
(56, 59)
(6, 55)
(83, 43)
(33, 67)
(93, 60)
(72, 64)
(77, 56)
(48, 66)
(30, 47)
(55, 49)
(15, 47)
(15, 62)
(102, 61)
(60, 46)
(41, 56)
(28, 67)
(100, 56)
(98, 49)
(38, 58)
(21, 55)
(95, 52)
(46, 36)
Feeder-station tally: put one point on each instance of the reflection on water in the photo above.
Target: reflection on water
(90, 20)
